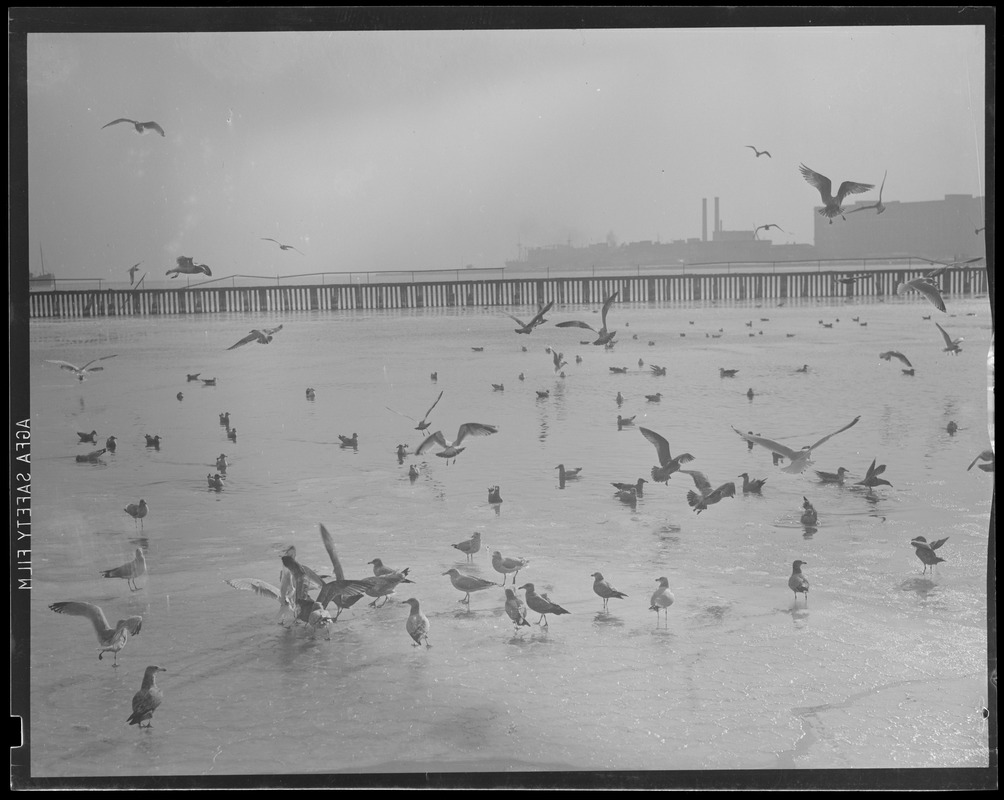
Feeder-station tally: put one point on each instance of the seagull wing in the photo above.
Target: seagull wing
(821, 182)
(520, 322)
(539, 318)
(574, 323)
(936, 544)
(64, 365)
(770, 444)
(852, 187)
(400, 414)
(474, 429)
(435, 437)
(851, 424)
(661, 445)
(926, 288)
(606, 307)
(117, 121)
(438, 399)
(948, 339)
(253, 336)
(700, 480)
(255, 585)
(89, 610)
(95, 361)
(329, 545)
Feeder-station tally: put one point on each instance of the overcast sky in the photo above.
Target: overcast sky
(425, 150)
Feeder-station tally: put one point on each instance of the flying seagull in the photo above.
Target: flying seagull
(879, 206)
(603, 336)
(891, 354)
(943, 266)
(187, 266)
(132, 272)
(281, 245)
(141, 127)
(667, 464)
(926, 287)
(766, 228)
(799, 459)
(951, 345)
(263, 336)
(452, 450)
(759, 152)
(832, 205)
(81, 372)
(423, 423)
(527, 327)
(705, 494)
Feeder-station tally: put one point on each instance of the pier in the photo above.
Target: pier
(473, 288)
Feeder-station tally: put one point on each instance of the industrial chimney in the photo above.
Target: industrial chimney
(718, 219)
(704, 219)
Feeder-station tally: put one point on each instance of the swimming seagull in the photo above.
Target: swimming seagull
(515, 609)
(470, 546)
(799, 459)
(281, 245)
(187, 266)
(147, 699)
(751, 486)
(527, 327)
(604, 589)
(263, 336)
(567, 474)
(603, 336)
(832, 477)
(872, 478)
(130, 571)
(81, 372)
(349, 441)
(132, 272)
(624, 421)
(879, 207)
(766, 228)
(707, 495)
(111, 639)
(667, 464)
(925, 552)
(508, 566)
(809, 515)
(110, 444)
(541, 603)
(832, 205)
(727, 373)
(452, 450)
(758, 152)
(891, 354)
(423, 423)
(417, 624)
(951, 345)
(662, 598)
(190, 377)
(141, 127)
(798, 582)
(467, 583)
(93, 457)
(152, 441)
(637, 487)
(88, 437)
(986, 456)
(137, 512)
(926, 287)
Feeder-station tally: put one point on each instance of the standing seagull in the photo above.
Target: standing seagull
(132, 272)
(187, 266)
(470, 546)
(541, 604)
(515, 609)
(766, 228)
(147, 699)
(527, 327)
(603, 336)
(137, 512)
(130, 571)
(111, 639)
(832, 205)
(926, 287)
(467, 583)
(662, 598)
(604, 589)
(281, 245)
(667, 464)
(508, 566)
(951, 345)
(417, 624)
(451, 448)
(141, 127)
(798, 582)
(424, 422)
(925, 552)
(759, 152)
(799, 459)
(81, 372)
(879, 207)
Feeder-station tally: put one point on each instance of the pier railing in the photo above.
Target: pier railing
(469, 287)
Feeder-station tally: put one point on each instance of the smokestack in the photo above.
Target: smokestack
(704, 219)
(718, 220)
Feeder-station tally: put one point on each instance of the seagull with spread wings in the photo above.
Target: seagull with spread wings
(879, 206)
(141, 127)
(706, 495)
(81, 372)
(603, 336)
(111, 639)
(423, 423)
(891, 354)
(667, 464)
(527, 327)
(281, 245)
(759, 152)
(263, 336)
(832, 205)
(800, 459)
(452, 449)
(766, 228)
(187, 266)
(926, 287)
(943, 267)
(951, 345)
(132, 272)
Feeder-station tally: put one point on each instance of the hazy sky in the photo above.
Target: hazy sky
(425, 150)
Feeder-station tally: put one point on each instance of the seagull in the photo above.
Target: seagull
(832, 477)
(137, 512)
(803, 368)
(417, 624)
(110, 444)
(342, 592)
(751, 486)
(558, 358)
(111, 639)
(567, 474)
(951, 345)
(662, 598)
(130, 571)
(93, 457)
(232, 434)
(891, 354)
(727, 373)
(141, 127)
(452, 450)
(310, 394)
(986, 456)
(189, 377)
(132, 272)
(281, 245)
(944, 267)
(222, 463)
(152, 441)
(424, 422)
(925, 552)
(926, 287)
(527, 327)
(384, 581)
(654, 398)
(469, 546)
(831, 205)
(515, 609)
(798, 582)
(627, 496)
(879, 207)
(494, 495)
(758, 152)
(215, 482)
(541, 604)
(637, 487)
(872, 479)
(186, 266)
(147, 699)
(618, 370)
(848, 280)
(498, 387)
(467, 583)
(88, 437)
(624, 421)
(667, 464)
(799, 459)
(604, 589)
(809, 515)
(603, 336)
(952, 427)
(349, 441)
(707, 496)
(81, 372)
(286, 595)
(508, 566)
(263, 336)
(766, 228)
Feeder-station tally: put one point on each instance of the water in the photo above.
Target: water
(885, 667)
